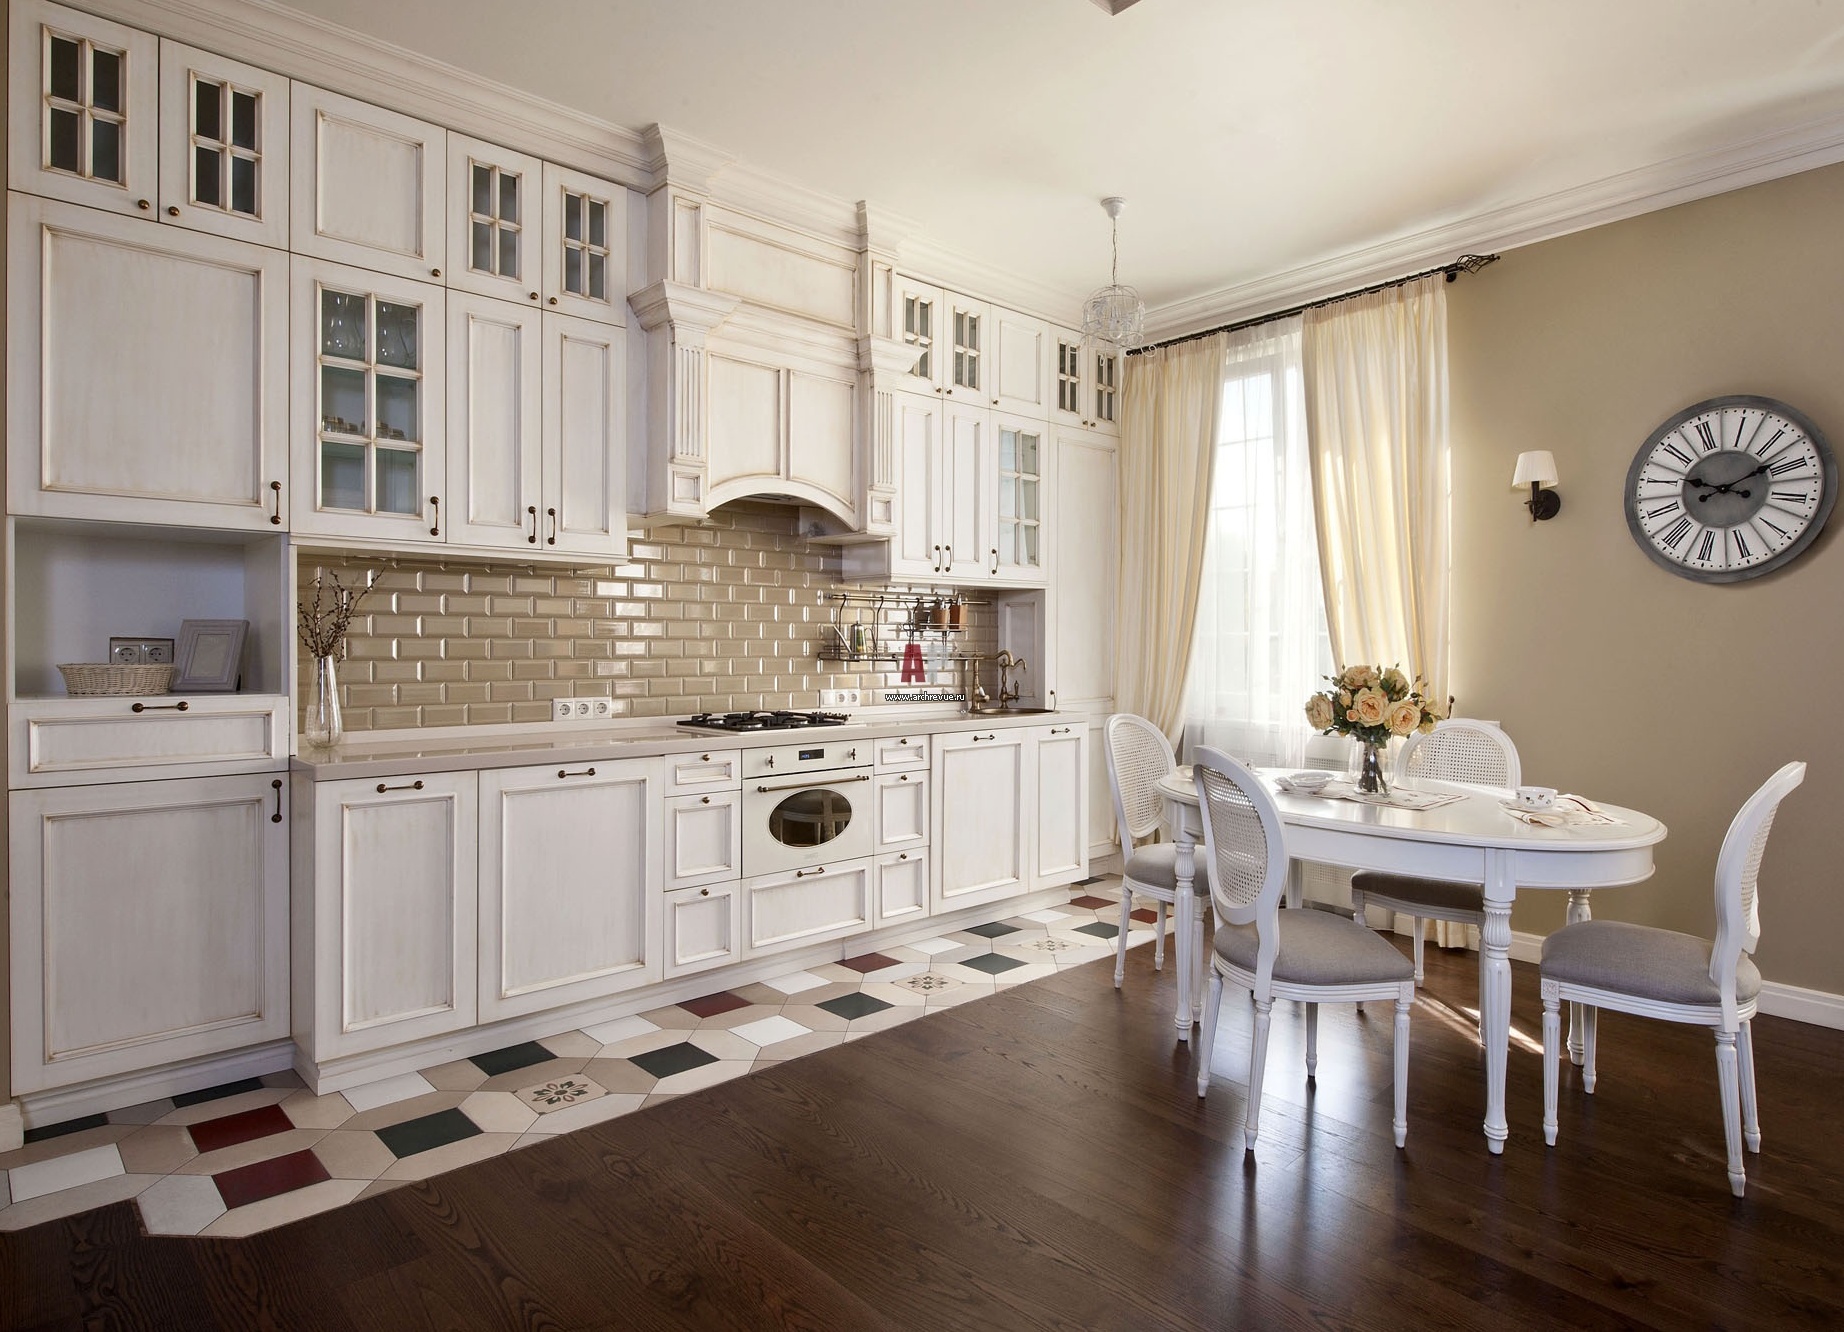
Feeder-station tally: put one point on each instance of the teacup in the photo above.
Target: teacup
(1536, 797)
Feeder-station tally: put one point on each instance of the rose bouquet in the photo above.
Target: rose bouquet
(1372, 704)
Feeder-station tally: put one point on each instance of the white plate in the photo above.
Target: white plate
(1307, 781)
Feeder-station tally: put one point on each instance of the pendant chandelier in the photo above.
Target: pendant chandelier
(1115, 314)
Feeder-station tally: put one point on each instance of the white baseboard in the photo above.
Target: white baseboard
(12, 1126)
(1820, 1008)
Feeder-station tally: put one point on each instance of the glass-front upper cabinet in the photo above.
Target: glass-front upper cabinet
(494, 235)
(1017, 550)
(585, 245)
(85, 129)
(367, 392)
(917, 319)
(223, 146)
(967, 361)
(1068, 400)
(1106, 387)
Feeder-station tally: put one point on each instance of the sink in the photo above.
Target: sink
(1011, 712)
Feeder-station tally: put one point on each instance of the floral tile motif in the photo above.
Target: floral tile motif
(561, 1093)
(1048, 944)
(928, 983)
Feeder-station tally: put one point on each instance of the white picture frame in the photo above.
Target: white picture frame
(209, 656)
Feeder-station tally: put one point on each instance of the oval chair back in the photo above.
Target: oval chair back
(1738, 867)
(1138, 755)
(1244, 852)
(1461, 750)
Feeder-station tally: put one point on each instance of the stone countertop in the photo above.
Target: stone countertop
(564, 742)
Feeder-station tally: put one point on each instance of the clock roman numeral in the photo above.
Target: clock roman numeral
(1705, 545)
(1664, 509)
(1677, 453)
(1677, 532)
(1707, 436)
(1771, 440)
(1741, 545)
(1780, 469)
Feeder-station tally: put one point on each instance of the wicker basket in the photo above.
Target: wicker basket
(87, 678)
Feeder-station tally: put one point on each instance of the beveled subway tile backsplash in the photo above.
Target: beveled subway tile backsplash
(716, 617)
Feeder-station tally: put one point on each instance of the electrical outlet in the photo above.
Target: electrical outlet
(582, 709)
(841, 698)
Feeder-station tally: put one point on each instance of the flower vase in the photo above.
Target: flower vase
(1370, 778)
(321, 726)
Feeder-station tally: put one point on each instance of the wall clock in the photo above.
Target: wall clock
(1730, 488)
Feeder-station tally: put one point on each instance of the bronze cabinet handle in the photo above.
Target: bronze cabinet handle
(817, 869)
(435, 502)
(531, 511)
(978, 738)
(276, 518)
(704, 892)
(551, 540)
(181, 706)
(586, 772)
(277, 816)
(416, 785)
(143, 204)
(704, 800)
(172, 210)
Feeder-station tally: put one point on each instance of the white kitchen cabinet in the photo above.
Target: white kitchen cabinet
(780, 422)
(807, 905)
(703, 927)
(585, 245)
(917, 317)
(902, 885)
(585, 438)
(703, 838)
(495, 427)
(1018, 478)
(1059, 843)
(83, 109)
(64, 740)
(495, 227)
(966, 361)
(1018, 379)
(147, 371)
(367, 404)
(367, 186)
(1084, 553)
(704, 770)
(984, 810)
(570, 875)
(900, 810)
(901, 753)
(223, 146)
(386, 913)
(149, 924)
(1085, 382)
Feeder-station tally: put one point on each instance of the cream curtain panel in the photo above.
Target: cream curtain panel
(1171, 398)
(1376, 408)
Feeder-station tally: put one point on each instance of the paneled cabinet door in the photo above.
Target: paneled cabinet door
(917, 321)
(900, 804)
(367, 186)
(1060, 841)
(395, 912)
(570, 879)
(1019, 377)
(915, 549)
(585, 245)
(703, 927)
(147, 371)
(367, 404)
(902, 885)
(1068, 383)
(966, 349)
(984, 814)
(966, 465)
(149, 924)
(495, 412)
(704, 838)
(1019, 481)
(223, 146)
(495, 229)
(807, 906)
(82, 113)
(1082, 540)
(585, 438)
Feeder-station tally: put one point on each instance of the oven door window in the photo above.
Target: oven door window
(810, 818)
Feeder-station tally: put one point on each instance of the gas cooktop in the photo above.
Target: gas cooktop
(763, 721)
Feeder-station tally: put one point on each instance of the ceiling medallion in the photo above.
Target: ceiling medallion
(1115, 314)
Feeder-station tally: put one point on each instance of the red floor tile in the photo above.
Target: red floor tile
(246, 1126)
(869, 962)
(1146, 914)
(265, 1179)
(713, 1004)
(1091, 902)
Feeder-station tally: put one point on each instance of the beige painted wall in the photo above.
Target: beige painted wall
(1616, 678)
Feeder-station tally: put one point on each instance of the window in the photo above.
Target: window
(1261, 644)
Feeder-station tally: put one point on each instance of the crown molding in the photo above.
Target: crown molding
(273, 36)
(1611, 199)
(925, 257)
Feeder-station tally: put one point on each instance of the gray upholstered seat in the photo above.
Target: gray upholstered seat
(1318, 948)
(1439, 893)
(1644, 961)
(1155, 863)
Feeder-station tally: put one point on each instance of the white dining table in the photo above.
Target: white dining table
(1474, 839)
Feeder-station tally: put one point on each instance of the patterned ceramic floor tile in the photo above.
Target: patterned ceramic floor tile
(248, 1155)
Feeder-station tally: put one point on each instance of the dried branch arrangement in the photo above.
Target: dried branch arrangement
(325, 619)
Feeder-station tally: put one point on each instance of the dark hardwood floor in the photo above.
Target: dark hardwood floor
(1040, 1159)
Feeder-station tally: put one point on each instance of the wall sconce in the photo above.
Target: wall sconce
(1537, 469)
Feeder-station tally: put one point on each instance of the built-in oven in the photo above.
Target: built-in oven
(805, 806)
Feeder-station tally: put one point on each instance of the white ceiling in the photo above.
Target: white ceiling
(1251, 138)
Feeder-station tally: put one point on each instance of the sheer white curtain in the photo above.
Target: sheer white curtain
(1376, 395)
(1260, 646)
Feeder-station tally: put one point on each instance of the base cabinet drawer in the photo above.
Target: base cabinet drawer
(149, 924)
(703, 927)
(901, 753)
(63, 740)
(706, 770)
(704, 838)
(824, 902)
(902, 885)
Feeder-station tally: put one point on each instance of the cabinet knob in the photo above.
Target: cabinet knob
(435, 272)
(704, 758)
(903, 778)
(553, 300)
(172, 210)
(532, 294)
(704, 892)
(705, 800)
(143, 204)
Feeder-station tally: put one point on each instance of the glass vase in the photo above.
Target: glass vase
(321, 726)
(1370, 778)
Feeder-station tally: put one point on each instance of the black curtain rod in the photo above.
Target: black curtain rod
(1466, 263)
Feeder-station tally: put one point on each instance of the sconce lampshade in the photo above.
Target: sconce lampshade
(1536, 468)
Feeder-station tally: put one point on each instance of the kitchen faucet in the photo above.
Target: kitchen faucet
(1007, 663)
